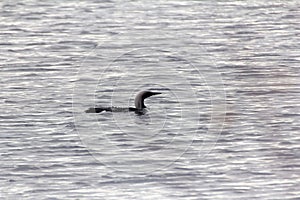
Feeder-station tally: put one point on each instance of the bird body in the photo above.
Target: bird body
(138, 101)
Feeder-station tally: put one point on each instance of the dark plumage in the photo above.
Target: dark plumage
(138, 101)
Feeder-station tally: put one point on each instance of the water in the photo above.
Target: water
(225, 127)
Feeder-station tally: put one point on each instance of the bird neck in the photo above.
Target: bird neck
(140, 104)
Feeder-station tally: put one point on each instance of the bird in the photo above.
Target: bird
(138, 101)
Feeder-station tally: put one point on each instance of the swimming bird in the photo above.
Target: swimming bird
(138, 101)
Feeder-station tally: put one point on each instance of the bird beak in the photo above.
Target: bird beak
(155, 93)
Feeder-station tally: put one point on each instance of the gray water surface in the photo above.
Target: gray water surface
(226, 125)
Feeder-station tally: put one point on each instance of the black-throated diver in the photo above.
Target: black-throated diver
(138, 101)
